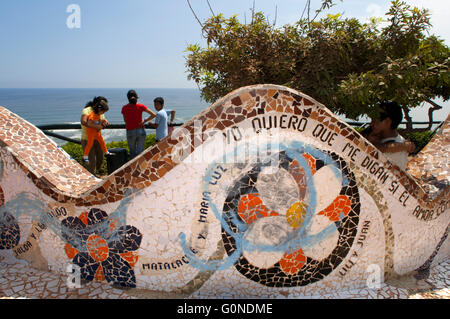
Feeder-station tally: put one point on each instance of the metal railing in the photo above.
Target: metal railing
(46, 128)
(65, 126)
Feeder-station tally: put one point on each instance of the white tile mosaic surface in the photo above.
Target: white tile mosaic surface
(283, 201)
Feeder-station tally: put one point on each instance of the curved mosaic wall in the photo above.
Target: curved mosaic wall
(265, 193)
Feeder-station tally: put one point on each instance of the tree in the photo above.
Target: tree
(413, 68)
(343, 63)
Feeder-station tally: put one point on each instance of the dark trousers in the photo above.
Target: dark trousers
(95, 156)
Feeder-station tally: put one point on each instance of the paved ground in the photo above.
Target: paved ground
(18, 280)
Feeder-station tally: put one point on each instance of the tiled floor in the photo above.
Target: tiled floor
(18, 280)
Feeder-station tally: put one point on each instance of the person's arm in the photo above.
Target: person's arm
(84, 121)
(394, 147)
(154, 125)
(103, 121)
(148, 119)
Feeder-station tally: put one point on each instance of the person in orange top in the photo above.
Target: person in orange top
(93, 133)
(96, 154)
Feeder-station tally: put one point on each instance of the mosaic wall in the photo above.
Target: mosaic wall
(265, 193)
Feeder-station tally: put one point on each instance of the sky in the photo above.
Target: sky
(136, 43)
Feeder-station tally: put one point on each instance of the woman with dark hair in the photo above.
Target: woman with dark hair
(134, 125)
(94, 134)
(95, 157)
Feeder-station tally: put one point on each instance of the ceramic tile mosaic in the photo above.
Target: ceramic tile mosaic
(431, 167)
(266, 193)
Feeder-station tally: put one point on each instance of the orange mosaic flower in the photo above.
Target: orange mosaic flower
(99, 274)
(70, 251)
(341, 204)
(131, 257)
(97, 247)
(251, 208)
(292, 263)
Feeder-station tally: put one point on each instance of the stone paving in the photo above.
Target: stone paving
(19, 281)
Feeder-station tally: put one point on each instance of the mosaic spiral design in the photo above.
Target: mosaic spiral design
(294, 268)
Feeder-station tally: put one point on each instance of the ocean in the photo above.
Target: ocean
(57, 106)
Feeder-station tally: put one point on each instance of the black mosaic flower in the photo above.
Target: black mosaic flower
(9, 231)
(102, 250)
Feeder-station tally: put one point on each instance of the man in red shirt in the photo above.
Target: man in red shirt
(132, 115)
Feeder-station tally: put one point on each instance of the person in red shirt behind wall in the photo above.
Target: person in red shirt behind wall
(132, 116)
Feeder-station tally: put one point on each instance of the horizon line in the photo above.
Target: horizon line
(98, 88)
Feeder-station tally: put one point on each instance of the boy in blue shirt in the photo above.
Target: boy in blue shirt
(161, 120)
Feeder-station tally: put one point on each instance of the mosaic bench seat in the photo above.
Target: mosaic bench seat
(265, 193)
(40, 158)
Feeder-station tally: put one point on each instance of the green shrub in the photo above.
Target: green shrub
(420, 139)
(150, 140)
(119, 144)
(358, 128)
(76, 152)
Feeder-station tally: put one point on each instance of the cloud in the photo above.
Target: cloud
(439, 10)
(374, 10)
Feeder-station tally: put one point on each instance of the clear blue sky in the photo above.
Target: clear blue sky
(134, 43)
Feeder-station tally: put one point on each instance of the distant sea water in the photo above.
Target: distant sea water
(57, 106)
